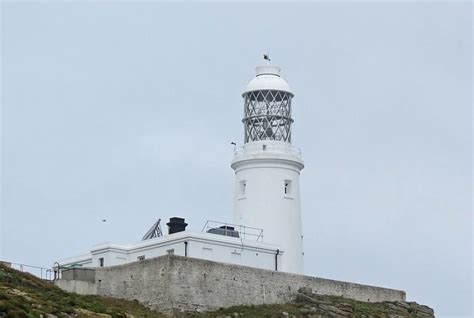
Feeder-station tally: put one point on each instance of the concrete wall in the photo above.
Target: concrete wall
(77, 286)
(193, 284)
(82, 274)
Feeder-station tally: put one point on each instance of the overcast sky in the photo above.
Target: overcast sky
(126, 111)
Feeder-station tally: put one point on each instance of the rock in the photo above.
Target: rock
(306, 310)
(403, 305)
(285, 314)
(410, 308)
(395, 307)
(235, 315)
(346, 307)
(314, 299)
(89, 313)
(305, 290)
(335, 310)
(421, 309)
(17, 292)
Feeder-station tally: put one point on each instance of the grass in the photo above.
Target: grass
(305, 309)
(24, 295)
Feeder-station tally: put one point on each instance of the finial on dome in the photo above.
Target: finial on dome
(267, 68)
(267, 78)
(267, 57)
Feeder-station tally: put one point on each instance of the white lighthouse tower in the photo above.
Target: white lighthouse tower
(267, 168)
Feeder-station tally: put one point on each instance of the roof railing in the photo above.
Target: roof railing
(245, 232)
(240, 150)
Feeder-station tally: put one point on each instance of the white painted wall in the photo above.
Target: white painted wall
(233, 254)
(264, 166)
(261, 168)
(208, 246)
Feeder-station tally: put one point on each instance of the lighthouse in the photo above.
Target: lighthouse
(267, 168)
(266, 230)
(229, 263)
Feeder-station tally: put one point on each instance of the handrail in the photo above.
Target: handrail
(44, 273)
(240, 150)
(244, 231)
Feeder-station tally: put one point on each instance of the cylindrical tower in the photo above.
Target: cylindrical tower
(267, 168)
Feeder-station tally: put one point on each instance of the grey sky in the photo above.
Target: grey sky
(126, 112)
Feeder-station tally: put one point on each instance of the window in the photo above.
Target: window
(141, 258)
(243, 186)
(287, 187)
(264, 147)
(170, 252)
(101, 262)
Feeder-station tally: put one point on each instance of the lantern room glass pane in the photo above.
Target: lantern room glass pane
(267, 116)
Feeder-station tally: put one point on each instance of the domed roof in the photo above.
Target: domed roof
(268, 78)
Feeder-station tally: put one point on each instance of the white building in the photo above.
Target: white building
(214, 247)
(267, 219)
(267, 167)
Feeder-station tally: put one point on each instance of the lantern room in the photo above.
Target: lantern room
(267, 106)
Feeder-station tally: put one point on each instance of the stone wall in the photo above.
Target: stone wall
(82, 274)
(175, 282)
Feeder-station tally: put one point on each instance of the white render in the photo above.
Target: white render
(267, 171)
(267, 196)
(208, 246)
(268, 77)
(264, 203)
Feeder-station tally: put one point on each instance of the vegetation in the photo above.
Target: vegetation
(24, 295)
(321, 307)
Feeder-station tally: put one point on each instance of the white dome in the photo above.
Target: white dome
(268, 78)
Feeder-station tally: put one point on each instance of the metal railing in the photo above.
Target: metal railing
(245, 232)
(241, 150)
(38, 271)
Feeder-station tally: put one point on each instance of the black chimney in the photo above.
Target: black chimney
(176, 225)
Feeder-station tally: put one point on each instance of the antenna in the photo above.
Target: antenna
(154, 231)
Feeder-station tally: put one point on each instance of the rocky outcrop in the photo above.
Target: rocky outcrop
(330, 306)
